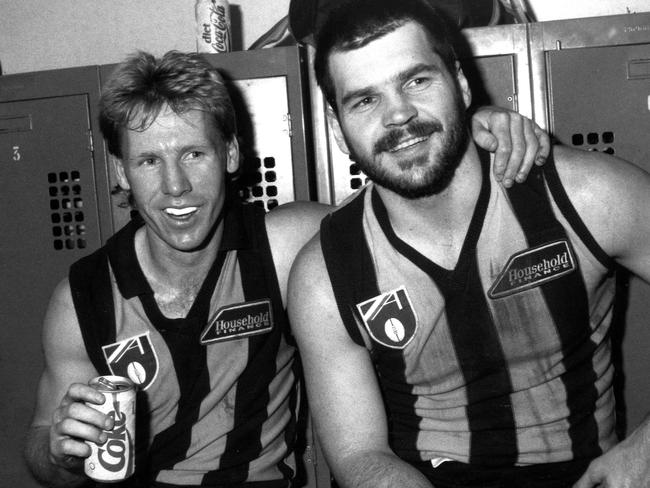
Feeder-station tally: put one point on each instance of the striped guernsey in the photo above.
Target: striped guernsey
(218, 390)
(504, 360)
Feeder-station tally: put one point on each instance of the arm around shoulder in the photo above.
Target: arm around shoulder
(344, 396)
(55, 445)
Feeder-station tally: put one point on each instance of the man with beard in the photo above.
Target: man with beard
(462, 336)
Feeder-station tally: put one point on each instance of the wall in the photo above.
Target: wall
(563, 9)
(37, 35)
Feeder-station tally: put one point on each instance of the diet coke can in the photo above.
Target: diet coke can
(114, 460)
(213, 26)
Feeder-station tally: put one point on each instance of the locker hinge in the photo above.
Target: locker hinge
(91, 146)
(287, 118)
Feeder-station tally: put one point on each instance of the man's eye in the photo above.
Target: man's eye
(194, 155)
(418, 83)
(363, 103)
(148, 162)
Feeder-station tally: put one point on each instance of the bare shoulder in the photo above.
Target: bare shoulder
(590, 171)
(310, 293)
(66, 359)
(289, 227)
(611, 195)
(63, 345)
(61, 327)
(297, 216)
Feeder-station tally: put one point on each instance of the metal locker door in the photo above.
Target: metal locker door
(49, 219)
(599, 99)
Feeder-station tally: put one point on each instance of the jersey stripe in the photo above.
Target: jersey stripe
(348, 261)
(568, 304)
(474, 336)
(181, 336)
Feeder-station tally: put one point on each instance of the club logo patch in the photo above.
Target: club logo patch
(390, 318)
(134, 358)
(533, 267)
(239, 320)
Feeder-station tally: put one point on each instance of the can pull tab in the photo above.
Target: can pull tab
(107, 383)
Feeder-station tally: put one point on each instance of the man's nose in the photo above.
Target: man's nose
(399, 110)
(175, 180)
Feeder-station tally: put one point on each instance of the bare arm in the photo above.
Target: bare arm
(517, 142)
(344, 397)
(613, 198)
(289, 228)
(55, 446)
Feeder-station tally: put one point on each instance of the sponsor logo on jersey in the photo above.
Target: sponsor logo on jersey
(134, 358)
(533, 267)
(239, 320)
(390, 318)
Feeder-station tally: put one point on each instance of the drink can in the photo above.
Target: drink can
(114, 460)
(213, 26)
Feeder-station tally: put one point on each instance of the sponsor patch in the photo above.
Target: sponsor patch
(239, 320)
(533, 267)
(390, 318)
(134, 358)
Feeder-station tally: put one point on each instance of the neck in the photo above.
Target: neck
(436, 225)
(175, 276)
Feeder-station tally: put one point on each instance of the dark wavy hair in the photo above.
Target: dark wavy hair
(143, 85)
(356, 23)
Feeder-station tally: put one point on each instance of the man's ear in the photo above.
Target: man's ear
(232, 155)
(120, 173)
(465, 90)
(335, 127)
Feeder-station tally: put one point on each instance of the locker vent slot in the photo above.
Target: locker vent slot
(357, 178)
(66, 210)
(594, 141)
(260, 182)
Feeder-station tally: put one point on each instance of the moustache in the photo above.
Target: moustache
(415, 129)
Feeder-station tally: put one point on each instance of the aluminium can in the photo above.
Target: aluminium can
(114, 460)
(213, 26)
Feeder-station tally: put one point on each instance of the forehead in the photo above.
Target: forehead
(383, 59)
(190, 127)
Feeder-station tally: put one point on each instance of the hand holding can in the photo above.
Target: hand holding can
(114, 460)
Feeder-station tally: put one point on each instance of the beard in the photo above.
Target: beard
(424, 175)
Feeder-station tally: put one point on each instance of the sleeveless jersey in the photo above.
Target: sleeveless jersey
(218, 394)
(504, 360)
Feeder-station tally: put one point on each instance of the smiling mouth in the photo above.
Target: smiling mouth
(408, 143)
(180, 212)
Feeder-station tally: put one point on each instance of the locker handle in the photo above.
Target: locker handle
(16, 124)
(638, 69)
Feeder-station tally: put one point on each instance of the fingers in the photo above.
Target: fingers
(588, 480)
(74, 422)
(517, 142)
(524, 149)
(544, 145)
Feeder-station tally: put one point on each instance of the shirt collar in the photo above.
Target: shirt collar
(124, 262)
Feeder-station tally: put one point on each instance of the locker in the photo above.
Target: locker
(54, 208)
(591, 81)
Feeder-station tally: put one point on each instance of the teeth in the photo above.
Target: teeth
(179, 212)
(408, 143)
